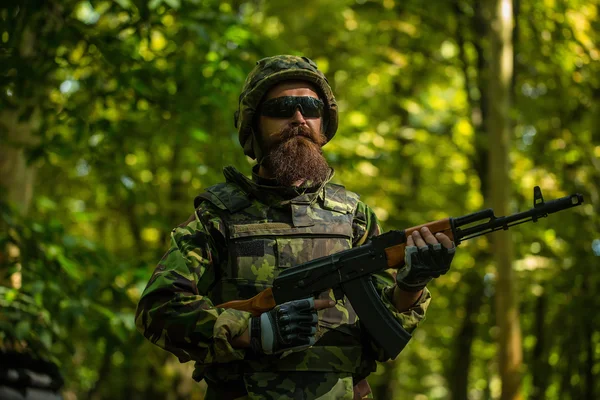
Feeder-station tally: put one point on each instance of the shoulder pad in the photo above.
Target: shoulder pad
(337, 198)
(225, 196)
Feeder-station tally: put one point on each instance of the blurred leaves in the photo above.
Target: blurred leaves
(132, 105)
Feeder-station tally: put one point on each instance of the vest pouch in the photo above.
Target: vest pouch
(255, 259)
(251, 269)
(295, 250)
(259, 252)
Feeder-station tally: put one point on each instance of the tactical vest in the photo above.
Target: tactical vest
(262, 240)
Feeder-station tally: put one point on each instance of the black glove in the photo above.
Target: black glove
(288, 326)
(423, 264)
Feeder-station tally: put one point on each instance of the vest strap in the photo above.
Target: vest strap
(337, 198)
(226, 196)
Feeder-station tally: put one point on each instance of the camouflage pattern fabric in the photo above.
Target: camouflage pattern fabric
(242, 235)
(315, 385)
(268, 72)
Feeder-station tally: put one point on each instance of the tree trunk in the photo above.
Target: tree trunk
(499, 131)
(540, 372)
(480, 109)
(104, 372)
(588, 348)
(16, 177)
(566, 390)
(458, 373)
(459, 369)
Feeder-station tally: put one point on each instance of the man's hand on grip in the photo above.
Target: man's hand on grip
(288, 326)
(427, 257)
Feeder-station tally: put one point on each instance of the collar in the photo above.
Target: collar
(269, 192)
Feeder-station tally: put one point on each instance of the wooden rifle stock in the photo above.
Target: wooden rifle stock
(262, 302)
(395, 254)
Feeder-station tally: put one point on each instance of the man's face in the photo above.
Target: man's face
(271, 128)
(292, 144)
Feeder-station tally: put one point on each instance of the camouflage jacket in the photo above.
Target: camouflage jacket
(243, 232)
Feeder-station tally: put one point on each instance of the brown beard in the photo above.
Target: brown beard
(297, 157)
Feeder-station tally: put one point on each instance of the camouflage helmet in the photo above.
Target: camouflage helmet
(268, 72)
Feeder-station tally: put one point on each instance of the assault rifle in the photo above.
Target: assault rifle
(349, 272)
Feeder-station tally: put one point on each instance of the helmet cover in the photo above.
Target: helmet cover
(266, 74)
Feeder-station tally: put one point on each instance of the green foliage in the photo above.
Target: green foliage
(132, 105)
(63, 291)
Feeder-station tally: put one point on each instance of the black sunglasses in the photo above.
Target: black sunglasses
(286, 106)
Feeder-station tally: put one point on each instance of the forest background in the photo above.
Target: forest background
(115, 114)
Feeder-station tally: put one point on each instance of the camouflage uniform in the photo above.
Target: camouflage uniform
(243, 233)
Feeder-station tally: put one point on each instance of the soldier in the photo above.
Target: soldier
(245, 231)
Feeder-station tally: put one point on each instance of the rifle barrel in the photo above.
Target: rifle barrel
(540, 210)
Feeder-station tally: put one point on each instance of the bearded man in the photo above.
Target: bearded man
(244, 232)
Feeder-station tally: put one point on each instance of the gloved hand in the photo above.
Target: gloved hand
(288, 326)
(426, 258)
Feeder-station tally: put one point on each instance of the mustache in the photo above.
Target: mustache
(303, 131)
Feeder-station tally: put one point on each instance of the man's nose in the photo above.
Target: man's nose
(298, 118)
